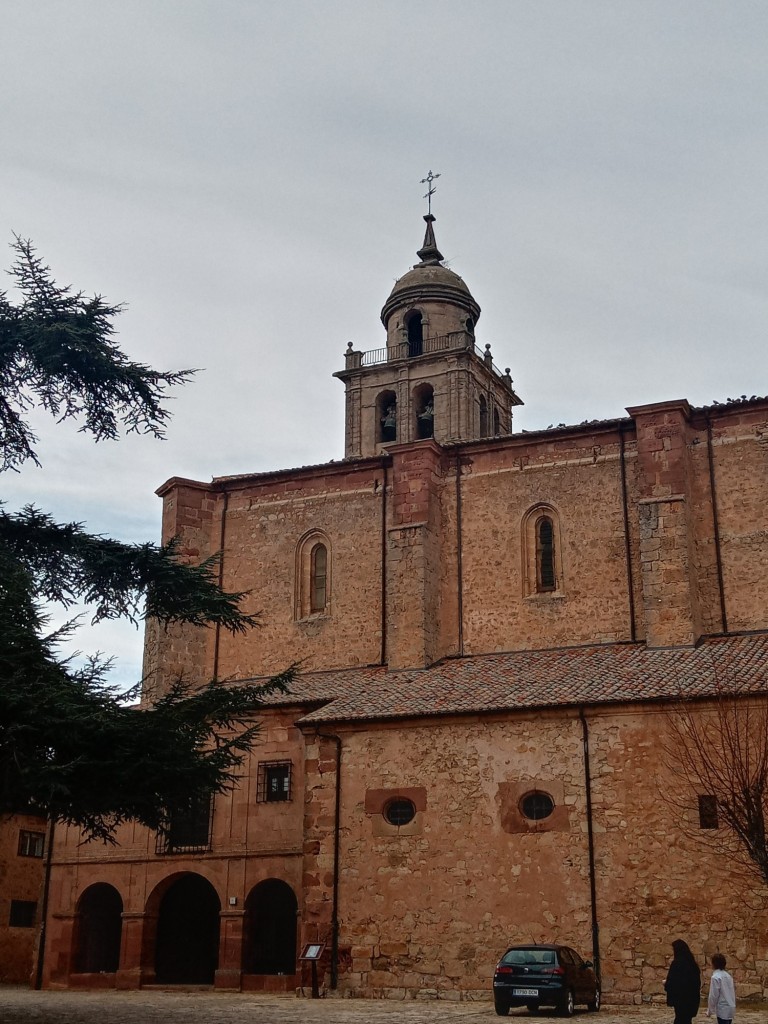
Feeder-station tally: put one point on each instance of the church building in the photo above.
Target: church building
(494, 629)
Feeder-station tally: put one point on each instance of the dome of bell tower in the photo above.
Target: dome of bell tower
(433, 290)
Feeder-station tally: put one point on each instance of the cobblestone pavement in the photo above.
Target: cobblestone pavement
(22, 1006)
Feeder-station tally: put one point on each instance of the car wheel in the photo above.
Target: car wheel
(594, 1004)
(501, 1006)
(532, 1007)
(567, 1006)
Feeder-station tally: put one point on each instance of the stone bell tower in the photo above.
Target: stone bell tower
(431, 379)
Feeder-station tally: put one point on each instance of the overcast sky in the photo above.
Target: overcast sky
(244, 175)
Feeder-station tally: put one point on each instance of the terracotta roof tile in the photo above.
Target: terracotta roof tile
(605, 674)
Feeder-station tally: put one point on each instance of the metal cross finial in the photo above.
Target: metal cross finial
(431, 189)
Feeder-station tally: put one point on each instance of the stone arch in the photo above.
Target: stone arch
(98, 930)
(269, 947)
(313, 575)
(424, 411)
(186, 930)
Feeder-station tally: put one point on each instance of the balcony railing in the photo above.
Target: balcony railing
(455, 341)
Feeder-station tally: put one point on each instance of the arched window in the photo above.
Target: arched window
(424, 408)
(313, 576)
(415, 329)
(483, 416)
(386, 417)
(318, 584)
(545, 555)
(496, 422)
(542, 551)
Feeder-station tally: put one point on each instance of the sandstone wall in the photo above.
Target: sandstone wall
(580, 479)
(430, 907)
(21, 878)
(668, 594)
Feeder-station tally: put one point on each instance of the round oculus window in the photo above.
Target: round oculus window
(400, 811)
(537, 805)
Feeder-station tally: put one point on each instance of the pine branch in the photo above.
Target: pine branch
(133, 581)
(57, 351)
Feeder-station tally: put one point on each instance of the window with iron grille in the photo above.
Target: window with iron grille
(31, 844)
(707, 811)
(22, 914)
(189, 827)
(536, 805)
(400, 811)
(274, 781)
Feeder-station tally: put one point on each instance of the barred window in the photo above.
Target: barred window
(189, 827)
(31, 844)
(536, 805)
(274, 781)
(22, 914)
(400, 811)
(707, 811)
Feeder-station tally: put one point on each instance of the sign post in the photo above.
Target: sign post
(312, 952)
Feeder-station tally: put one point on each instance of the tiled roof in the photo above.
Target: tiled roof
(606, 674)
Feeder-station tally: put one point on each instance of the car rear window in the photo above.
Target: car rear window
(529, 956)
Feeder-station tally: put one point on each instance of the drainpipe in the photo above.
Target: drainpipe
(44, 905)
(459, 574)
(716, 527)
(222, 535)
(627, 546)
(591, 844)
(383, 655)
(336, 831)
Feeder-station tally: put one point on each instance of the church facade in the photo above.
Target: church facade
(494, 630)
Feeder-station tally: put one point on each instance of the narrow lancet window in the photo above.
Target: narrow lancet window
(483, 416)
(318, 578)
(545, 554)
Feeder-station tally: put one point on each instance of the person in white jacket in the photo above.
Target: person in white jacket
(722, 992)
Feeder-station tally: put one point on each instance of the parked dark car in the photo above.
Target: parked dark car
(544, 975)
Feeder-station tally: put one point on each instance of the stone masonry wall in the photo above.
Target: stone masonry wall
(673, 557)
(580, 479)
(176, 651)
(740, 453)
(21, 878)
(429, 908)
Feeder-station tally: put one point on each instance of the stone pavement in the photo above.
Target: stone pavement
(22, 1006)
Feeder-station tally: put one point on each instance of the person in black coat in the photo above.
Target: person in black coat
(683, 984)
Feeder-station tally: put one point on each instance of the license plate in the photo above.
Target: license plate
(525, 991)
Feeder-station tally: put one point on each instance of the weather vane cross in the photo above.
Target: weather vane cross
(431, 189)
